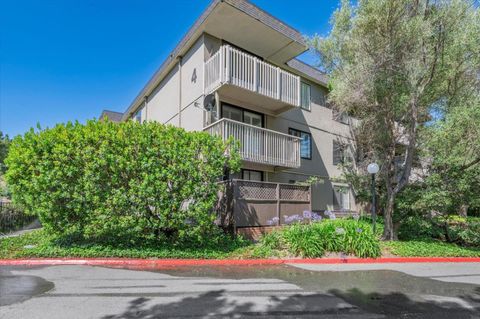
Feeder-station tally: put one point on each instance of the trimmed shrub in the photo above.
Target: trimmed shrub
(120, 179)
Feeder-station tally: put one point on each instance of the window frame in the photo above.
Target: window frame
(138, 115)
(243, 170)
(291, 129)
(243, 110)
(309, 106)
(341, 148)
(345, 194)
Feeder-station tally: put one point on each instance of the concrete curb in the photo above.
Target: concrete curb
(158, 263)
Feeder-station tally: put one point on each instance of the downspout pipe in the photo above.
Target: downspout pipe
(180, 61)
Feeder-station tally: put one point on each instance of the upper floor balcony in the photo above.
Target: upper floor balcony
(260, 145)
(244, 77)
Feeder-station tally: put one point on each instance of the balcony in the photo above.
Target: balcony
(232, 72)
(259, 145)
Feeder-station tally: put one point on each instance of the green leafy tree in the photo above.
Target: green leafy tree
(390, 62)
(4, 143)
(452, 150)
(120, 178)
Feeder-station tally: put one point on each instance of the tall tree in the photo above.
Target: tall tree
(452, 147)
(390, 62)
(4, 144)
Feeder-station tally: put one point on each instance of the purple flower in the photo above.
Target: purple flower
(327, 213)
(316, 217)
(307, 214)
(273, 221)
(359, 230)
(293, 219)
(332, 216)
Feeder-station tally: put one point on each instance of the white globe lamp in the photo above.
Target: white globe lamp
(373, 168)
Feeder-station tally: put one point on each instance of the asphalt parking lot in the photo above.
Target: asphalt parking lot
(440, 290)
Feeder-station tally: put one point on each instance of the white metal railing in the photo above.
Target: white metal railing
(232, 66)
(260, 145)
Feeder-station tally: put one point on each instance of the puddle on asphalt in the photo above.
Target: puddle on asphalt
(380, 291)
(18, 288)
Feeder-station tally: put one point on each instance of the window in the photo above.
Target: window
(341, 197)
(305, 96)
(241, 115)
(337, 153)
(251, 175)
(138, 116)
(341, 154)
(305, 143)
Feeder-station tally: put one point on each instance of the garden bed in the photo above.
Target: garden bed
(308, 243)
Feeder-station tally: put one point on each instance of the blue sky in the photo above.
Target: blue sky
(70, 59)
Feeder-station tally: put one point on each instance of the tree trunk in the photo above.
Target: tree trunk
(463, 211)
(388, 230)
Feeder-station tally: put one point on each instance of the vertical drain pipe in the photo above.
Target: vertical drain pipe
(179, 91)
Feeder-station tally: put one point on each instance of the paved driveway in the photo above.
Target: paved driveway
(234, 292)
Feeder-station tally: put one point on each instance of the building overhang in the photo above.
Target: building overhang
(240, 23)
(252, 29)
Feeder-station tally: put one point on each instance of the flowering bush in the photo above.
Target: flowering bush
(306, 217)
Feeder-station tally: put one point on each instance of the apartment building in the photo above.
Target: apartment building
(235, 73)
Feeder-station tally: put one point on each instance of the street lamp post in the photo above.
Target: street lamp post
(373, 168)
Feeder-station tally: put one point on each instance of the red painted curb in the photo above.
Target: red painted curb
(153, 263)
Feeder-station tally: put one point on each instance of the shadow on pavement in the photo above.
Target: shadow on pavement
(366, 294)
(393, 305)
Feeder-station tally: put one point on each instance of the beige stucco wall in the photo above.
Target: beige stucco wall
(211, 45)
(192, 87)
(164, 102)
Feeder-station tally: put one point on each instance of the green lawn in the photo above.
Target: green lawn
(417, 248)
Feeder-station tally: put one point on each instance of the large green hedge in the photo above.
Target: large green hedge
(120, 178)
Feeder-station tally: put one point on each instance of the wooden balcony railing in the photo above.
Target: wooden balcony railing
(260, 145)
(232, 66)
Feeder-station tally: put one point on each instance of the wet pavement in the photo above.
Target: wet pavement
(282, 291)
(19, 288)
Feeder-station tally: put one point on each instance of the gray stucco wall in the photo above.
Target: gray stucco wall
(164, 103)
(325, 130)
(163, 106)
